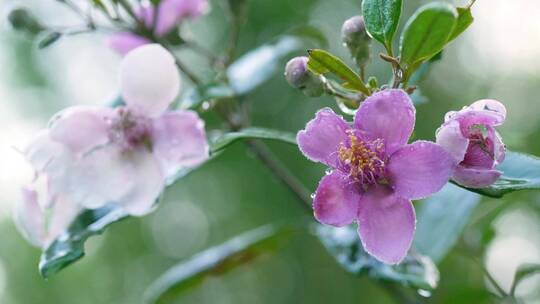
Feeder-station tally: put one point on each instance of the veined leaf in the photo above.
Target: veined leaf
(426, 33)
(322, 62)
(224, 140)
(520, 172)
(215, 261)
(382, 19)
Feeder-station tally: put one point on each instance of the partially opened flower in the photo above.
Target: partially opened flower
(471, 137)
(375, 173)
(95, 156)
(169, 14)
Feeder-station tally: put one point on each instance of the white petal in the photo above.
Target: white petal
(149, 79)
(29, 218)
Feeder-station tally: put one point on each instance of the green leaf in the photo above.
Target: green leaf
(382, 19)
(439, 226)
(196, 96)
(222, 141)
(49, 39)
(344, 245)
(520, 172)
(522, 273)
(426, 33)
(464, 20)
(215, 261)
(322, 62)
(259, 65)
(69, 247)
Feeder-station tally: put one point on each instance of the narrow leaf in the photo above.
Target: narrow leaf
(322, 62)
(382, 19)
(344, 245)
(222, 141)
(441, 219)
(520, 172)
(427, 32)
(69, 247)
(215, 261)
(464, 20)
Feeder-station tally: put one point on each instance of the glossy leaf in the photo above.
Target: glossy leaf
(196, 96)
(222, 141)
(259, 65)
(344, 245)
(522, 273)
(520, 172)
(441, 219)
(214, 261)
(382, 19)
(464, 20)
(427, 32)
(322, 62)
(69, 247)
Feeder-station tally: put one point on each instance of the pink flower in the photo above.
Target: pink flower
(94, 156)
(170, 14)
(375, 173)
(470, 136)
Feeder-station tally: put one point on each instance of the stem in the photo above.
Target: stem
(267, 157)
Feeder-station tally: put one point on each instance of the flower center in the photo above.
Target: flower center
(130, 131)
(479, 135)
(363, 160)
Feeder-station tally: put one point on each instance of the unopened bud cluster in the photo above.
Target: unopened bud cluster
(356, 39)
(299, 76)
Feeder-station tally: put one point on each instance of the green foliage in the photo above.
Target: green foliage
(382, 20)
(322, 62)
(214, 261)
(224, 140)
(207, 92)
(426, 33)
(465, 19)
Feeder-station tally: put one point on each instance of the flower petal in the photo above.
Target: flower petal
(499, 148)
(322, 137)
(191, 8)
(179, 140)
(449, 136)
(167, 16)
(81, 128)
(475, 177)
(420, 169)
(124, 42)
(493, 107)
(480, 155)
(386, 224)
(336, 200)
(29, 218)
(149, 79)
(63, 214)
(389, 115)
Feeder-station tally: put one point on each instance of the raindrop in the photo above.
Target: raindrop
(424, 293)
(328, 171)
(313, 195)
(205, 106)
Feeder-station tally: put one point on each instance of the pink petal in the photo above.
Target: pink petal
(389, 115)
(45, 154)
(124, 42)
(323, 136)
(479, 156)
(475, 177)
(492, 107)
(191, 8)
(148, 183)
(386, 224)
(336, 200)
(179, 140)
(149, 79)
(167, 16)
(420, 169)
(81, 128)
(449, 136)
(103, 176)
(63, 213)
(29, 218)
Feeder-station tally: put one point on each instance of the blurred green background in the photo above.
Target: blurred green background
(498, 57)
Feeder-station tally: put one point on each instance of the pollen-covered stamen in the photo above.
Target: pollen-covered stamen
(130, 131)
(363, 160)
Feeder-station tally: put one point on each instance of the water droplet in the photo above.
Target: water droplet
(424, 293)
(313, 195)
(328, 171)
(205, 105)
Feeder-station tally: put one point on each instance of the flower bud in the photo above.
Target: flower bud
(298, 76)
(356, 39)
(21, 20)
